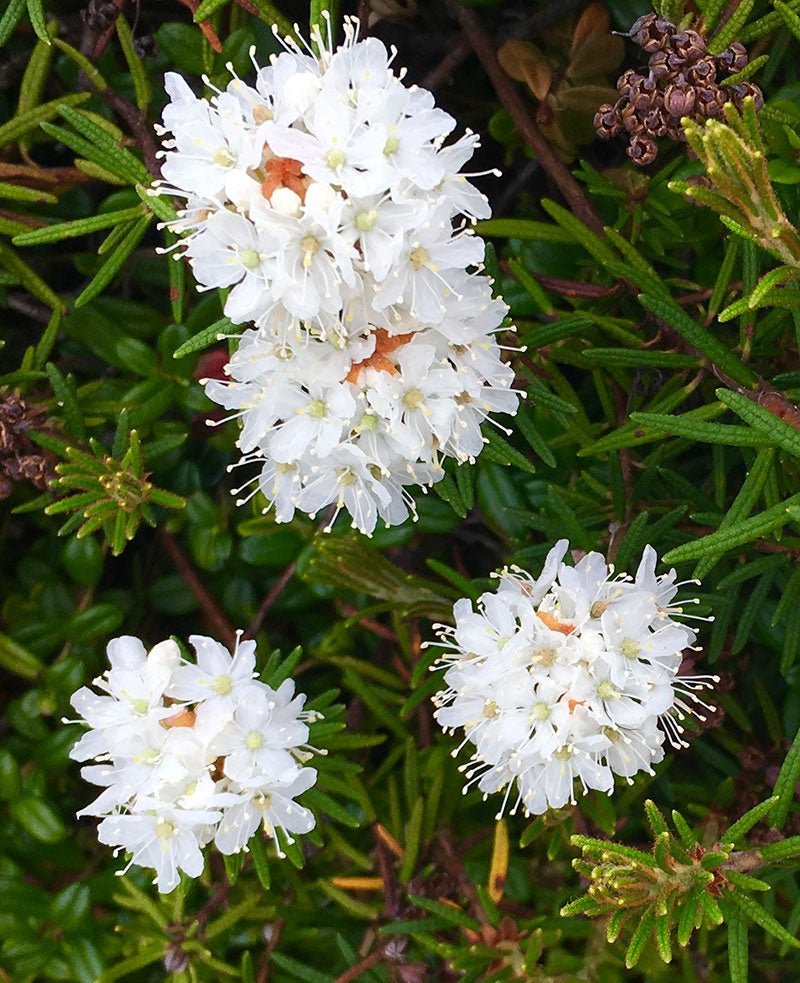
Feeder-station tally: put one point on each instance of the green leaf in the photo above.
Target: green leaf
(753, 910)
(66, 396)
(639, 938)
(732, 28)
(317, 800)
(83, 63)
(207, 8)
(37, 818)
(694, 429)
(775, 430)
(299, 970)
(208, 336)
(37, 16)
(18, 126)
(269, 13)
(115, 262)
(700, 338)
(10, 19)
(785, 784)
(746, 822)
(737, 534)
(500, 451)
(738, 947)
(118, 160)
(149, 954)
(413, 842)
(258, 852)
(142, 89)
(596, 247)
(519, 228)
(789, 17)
(453, 916)
(640, 358)
(29, 279)
(15, 658)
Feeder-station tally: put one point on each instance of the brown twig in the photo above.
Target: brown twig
(355, 971)
(271, 597)
(205, 26)
(515, 105)
(140, 128)
(249, 7)
(363, 17)
(212, 613)
(455, 56)
(573, 288)
(269, 948)
(374, 626)
(391, 892)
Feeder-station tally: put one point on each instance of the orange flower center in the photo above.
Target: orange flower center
(385, 344)
(283, 172)
(184, 718)
(554, 624)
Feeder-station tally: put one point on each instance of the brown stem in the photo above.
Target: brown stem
(271, 597)
(213, 615)
(269, 948)
(374, 626)
(515, 105)
(205, 26)
(363, 17)
(249, 7)
(140, 128)
(454, 57)
(391, 893)
(355, 971)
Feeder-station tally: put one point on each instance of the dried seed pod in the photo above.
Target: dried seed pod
(642, 150)
(689, 45)
(710, 101)
(607, 121)
(679, 99)
(630, 119)
(733, 59)
(651, 32)
(30, 467)
(627, 82)
(145, 46)
(659, 69)
(643, 94)
(703, 72)
(655, 123)
(99, 15)
(738, 94)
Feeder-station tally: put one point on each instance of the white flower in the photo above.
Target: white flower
(221, 762)
(162, 837)
(325, 200)
(562, 680)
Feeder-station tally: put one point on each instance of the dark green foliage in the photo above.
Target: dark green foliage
(660, 362)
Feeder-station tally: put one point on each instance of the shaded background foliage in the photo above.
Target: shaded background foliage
(661, 370)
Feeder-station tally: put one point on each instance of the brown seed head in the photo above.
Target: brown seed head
(689, 45)
(703, 72)
(607, 121)
(652, 32)
(642, 150)
(733, 59)
(679, 99)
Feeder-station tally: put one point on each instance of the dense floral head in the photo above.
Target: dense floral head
(569, 676)
(324, 199)
(190, 752)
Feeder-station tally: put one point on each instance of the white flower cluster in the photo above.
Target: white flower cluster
(567, 677)
(324, 199)
(191, 752)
